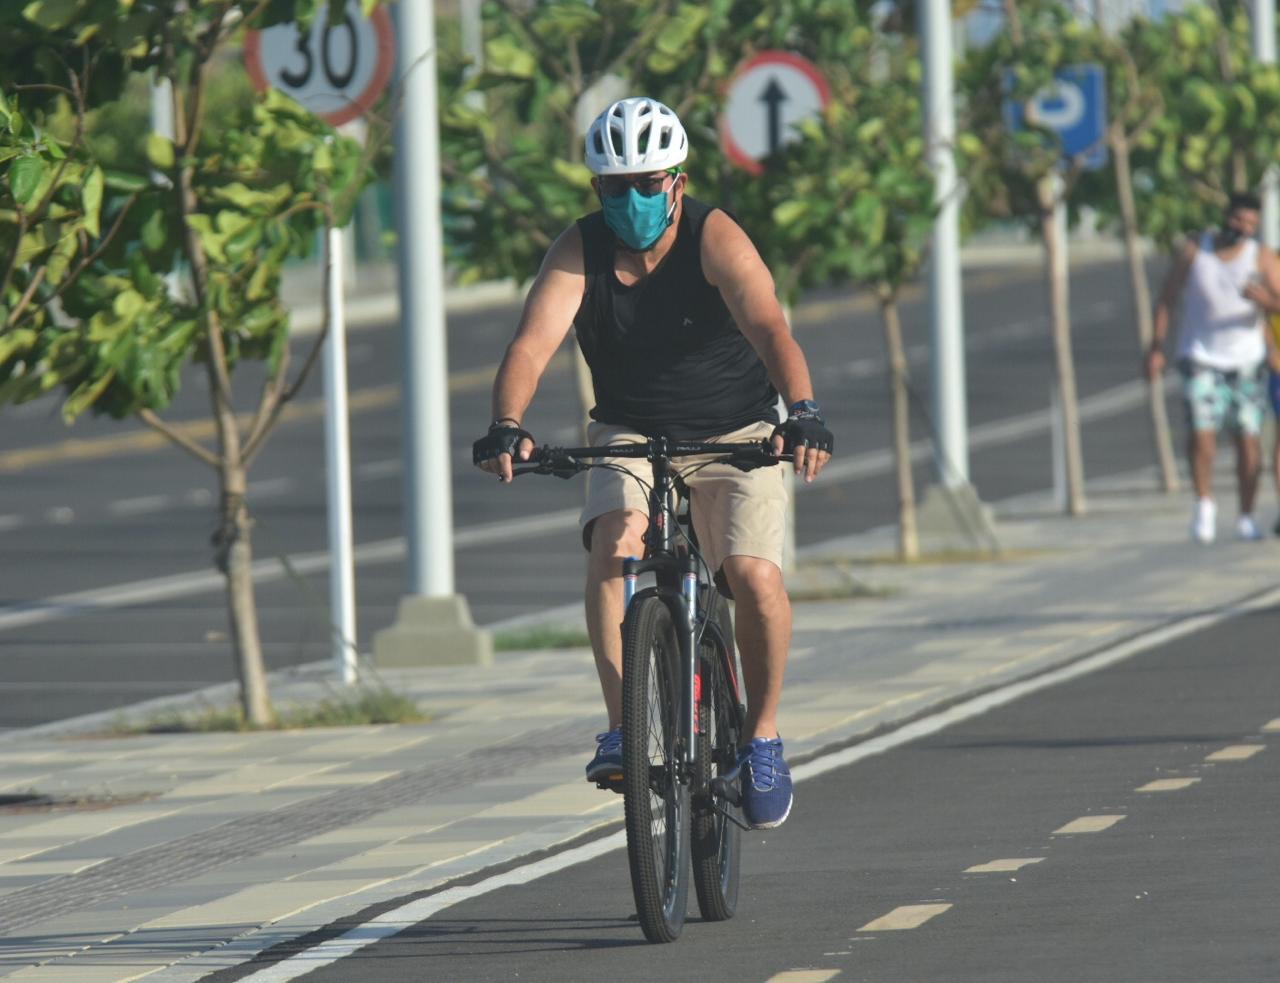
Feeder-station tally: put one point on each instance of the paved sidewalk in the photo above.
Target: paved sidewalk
(222, 845)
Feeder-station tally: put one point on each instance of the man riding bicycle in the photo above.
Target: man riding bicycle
(675, 313)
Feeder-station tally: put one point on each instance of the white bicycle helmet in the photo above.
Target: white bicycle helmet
(634, 136)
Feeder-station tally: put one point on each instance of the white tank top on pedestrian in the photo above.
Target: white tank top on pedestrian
(1221, 328)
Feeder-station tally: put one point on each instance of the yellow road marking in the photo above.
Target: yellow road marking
(1271, 726)
(804, 976)
(1167, 785)
(999, 866)
(905, 917)
(1088, 824)
(1236, 752)
(136, 441)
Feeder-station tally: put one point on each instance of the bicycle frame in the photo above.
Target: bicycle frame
(676, 573)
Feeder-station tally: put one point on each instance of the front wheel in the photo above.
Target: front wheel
(656, 801)
(717, 847)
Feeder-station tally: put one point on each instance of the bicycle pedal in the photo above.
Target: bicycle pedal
(610, 783)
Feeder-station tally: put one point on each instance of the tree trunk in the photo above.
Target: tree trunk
(908, 536)
(235, 560)
(1056, 270)
(1142, 305)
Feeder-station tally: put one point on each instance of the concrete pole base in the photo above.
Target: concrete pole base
(432, 631)
(953, 518)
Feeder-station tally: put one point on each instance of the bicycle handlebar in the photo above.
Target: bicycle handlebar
(567, 461)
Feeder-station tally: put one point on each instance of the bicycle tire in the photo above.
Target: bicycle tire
(656, 803)
(716, 840)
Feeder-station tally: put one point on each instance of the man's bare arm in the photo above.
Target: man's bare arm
(547, 317)
(1169, 294)
(731, 263)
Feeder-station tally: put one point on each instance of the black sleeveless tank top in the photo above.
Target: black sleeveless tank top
(666, 357)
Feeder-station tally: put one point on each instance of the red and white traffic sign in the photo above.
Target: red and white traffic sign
(769, 94)
(335, 70)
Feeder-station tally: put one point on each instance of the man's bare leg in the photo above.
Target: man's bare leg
(1201, 448)
(614, 536)
(763, 633)
(1248, 466)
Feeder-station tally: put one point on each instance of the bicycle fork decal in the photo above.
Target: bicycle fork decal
(697, 699)
(628, 587)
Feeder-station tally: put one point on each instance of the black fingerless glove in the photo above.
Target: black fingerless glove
(502, 438)
(804, 427)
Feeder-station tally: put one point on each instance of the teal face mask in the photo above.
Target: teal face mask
(638, 220)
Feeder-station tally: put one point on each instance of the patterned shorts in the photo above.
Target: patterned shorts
(1217, 400)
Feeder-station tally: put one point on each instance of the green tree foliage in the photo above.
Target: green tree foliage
(1220, 129)
(117, 278)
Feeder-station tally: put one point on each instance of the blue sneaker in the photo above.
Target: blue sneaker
(766, 783)
(605, 769)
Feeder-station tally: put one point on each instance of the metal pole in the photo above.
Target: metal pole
(1264, 49)
(428, 502)
(337, 447)
(946, 301)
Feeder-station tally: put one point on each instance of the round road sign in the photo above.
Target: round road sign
(769, 94)
(335, 70)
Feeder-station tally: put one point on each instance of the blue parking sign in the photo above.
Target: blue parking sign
(1075, 108)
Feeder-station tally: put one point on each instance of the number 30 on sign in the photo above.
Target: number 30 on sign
(336, 70)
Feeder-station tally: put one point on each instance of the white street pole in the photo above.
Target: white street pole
(950, 412)
(428, 502)
(337, 446)
(1264, 49)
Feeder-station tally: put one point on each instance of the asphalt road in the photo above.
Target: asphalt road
(885, 870)
(85, 511)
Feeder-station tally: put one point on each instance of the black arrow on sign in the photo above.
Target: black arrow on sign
(773, 97)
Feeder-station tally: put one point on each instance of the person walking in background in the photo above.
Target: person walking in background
(1225, 281)
(1273, 356)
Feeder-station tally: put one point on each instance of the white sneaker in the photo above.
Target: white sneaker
(1204, 522)
(1247, 529)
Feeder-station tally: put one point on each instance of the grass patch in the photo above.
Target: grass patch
(365, 707)
(544, 637)
(840, 592)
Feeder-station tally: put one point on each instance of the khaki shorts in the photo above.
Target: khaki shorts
(735, 513)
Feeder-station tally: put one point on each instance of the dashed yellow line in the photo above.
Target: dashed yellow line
(1087, 824)
(1167, 785)
(1271, 726)
(1236, 752)
(1003, 866)
(906, 917)
(804, 976)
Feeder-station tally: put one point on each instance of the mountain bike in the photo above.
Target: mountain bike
(682, 707)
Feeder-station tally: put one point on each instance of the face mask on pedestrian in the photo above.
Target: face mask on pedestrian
(1229, 235)
(638, 219)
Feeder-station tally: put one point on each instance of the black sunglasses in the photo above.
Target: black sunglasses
(613, 185)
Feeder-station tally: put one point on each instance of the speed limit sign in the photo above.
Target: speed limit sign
(335, 69)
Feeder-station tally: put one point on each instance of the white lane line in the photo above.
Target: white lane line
(8, 522)
(140, 505)
(1107, 403)
(406, 916)
(380, 469)
(264, 571)
(1002, 866)
(1270, 727)
(906, 917)
(1236, 752)
(198, 496)
(1167, 785)
(806, 975)
(1087, 824)
(60, 515)
(270, 486)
